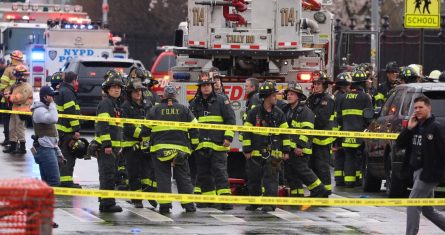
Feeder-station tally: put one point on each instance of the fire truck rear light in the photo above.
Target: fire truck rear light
(11, 17)
(93, 74)
(37, 69)
(304, 77)
(37, 81)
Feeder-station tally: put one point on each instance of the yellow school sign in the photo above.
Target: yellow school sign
(422, 14)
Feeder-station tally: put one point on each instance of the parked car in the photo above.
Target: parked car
(381, 160)
(91, 76)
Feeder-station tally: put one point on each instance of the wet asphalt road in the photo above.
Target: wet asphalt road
(80, 215)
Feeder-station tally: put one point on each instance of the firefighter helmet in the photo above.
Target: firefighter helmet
(112, 78)
(321, 76)
(17, 55)
(170, 91)
(343, 78)
(135, 84)
(434, 76)
(78, 148)
(392, 67)
(56, 79)
(20, 72)
(204, 78)
(112, 73)
(295, 87)
(409, 75)
(267, 88)
(359, 76)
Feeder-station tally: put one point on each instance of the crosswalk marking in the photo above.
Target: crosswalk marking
(347, 214)
(150, 215)
(210, 210)
(288, 216)
(227, 218)
(80, 214)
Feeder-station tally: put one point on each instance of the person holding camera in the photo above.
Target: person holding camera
(424, 142)
(47, 153)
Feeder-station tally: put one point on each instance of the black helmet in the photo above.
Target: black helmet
(204, 78)
(56, 79)
(78, 147)
(409, 75)
(135, 84)
(344, 78)
(295, 87)
(112, 78)
(321, 76)
(359, 76)
(392, 67)
(112, 73)
(442, 77)
(267, 88)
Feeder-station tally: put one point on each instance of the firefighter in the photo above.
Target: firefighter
(392, 71)
(170, 147)
(211, 153)
(216, 76)
(354, 112)
(299, 116)
(21, 99)
(342, 83)
(68, 129)
(109, 136)
(322, 104)
(148, 82)
(6, 82)
(138, 161)
(56, 80)
(265, 151)
(409, 75)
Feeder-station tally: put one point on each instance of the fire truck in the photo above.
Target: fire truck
(286, 40)
(50, 35)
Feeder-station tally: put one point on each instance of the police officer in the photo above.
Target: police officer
(342, 83)
(392, 71)
(211, 153)
(265, 151)
(69, 129)
(322, 104)
(354, 112)
(109, 136)
(135, 144)
(299, 116)
(171, 146)
(6, 82)
(21, 99)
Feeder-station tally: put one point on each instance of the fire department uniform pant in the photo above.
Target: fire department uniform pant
(140, 170)
(107, 173)
(298, 172)
(5, 119)
(260, 172)
(193, 172)
(351, 155)
(212, 174)
(121, 175)
(339, 166)
(66, 171)
(319, 163)
(16, 129)
(181, 173)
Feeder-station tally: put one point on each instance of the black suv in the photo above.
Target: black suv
(91, 73)
(381, 160)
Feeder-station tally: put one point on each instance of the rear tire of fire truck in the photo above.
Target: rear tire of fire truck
(371, 183)
(395, 187)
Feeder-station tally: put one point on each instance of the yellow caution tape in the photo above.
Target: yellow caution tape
(223, 127)
(251, 199)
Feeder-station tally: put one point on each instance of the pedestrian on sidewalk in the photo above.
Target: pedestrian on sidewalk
(424, 142)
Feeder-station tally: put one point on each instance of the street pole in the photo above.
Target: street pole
(105, 12)
(375, 19)
(421, 46)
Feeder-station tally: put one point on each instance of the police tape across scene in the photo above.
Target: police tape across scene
(250, 199)
(274, 130)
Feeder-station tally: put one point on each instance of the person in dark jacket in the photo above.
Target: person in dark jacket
(265, 151)
(392, 71)
(211, 153)
(297, 170)
(69, 129)
(322, 104)
(170, 146)
(108, 134)
(424, 141)
(135, 143)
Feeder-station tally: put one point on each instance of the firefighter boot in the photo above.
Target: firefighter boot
(164, 208)
(11, 148)
(137, 203)
(21, 149)
(110, 209)
(268, 208)
(252, 207)
(6, 141)
(189, 207)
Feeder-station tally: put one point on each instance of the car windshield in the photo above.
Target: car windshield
(165, 64)
(437, 102)
(99, 68)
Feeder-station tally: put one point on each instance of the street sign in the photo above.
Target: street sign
(422, 14)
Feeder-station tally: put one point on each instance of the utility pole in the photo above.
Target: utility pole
(375, 26)
(105, 8)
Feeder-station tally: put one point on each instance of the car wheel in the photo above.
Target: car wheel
(371, 183)
(395, 187)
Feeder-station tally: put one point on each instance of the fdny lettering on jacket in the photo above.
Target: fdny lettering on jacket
(351, 96)
(170, 111)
